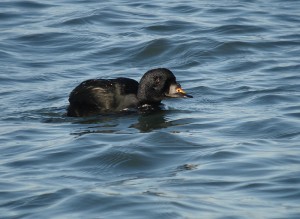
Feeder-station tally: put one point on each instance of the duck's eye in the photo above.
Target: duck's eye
(157, 80)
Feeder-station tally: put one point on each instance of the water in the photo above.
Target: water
(230, 152)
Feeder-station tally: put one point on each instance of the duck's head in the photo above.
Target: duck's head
(158, 84)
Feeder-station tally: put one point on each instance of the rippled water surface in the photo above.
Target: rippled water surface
(233, 151)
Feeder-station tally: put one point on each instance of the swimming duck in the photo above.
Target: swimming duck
(96, 96)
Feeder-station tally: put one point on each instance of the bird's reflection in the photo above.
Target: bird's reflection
(123, 123)
(148, 122)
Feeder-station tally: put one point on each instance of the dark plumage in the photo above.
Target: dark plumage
(97, 96)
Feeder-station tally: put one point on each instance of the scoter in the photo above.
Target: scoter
(98, 96)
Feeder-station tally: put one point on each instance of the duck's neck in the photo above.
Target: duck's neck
(147, 95)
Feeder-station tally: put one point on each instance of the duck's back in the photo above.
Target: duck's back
(102, 95)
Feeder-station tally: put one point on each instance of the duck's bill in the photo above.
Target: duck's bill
(187, 95)
(181, 92)
(177, 93)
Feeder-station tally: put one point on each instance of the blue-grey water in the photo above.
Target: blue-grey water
(233, 151)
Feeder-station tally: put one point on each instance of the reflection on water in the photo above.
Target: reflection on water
(151, 121)
(123, 122)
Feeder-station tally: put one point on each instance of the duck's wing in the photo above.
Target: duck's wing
(100, 95)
